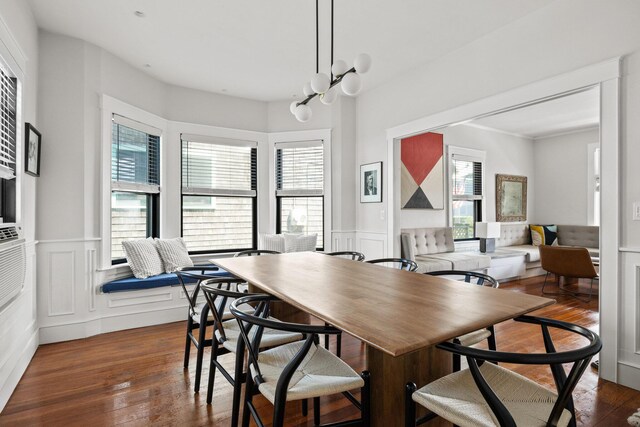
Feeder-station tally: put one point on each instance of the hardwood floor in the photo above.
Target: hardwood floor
(135, 377)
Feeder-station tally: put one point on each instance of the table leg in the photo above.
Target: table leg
(390, 374)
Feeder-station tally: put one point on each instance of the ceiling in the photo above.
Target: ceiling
(265, 50)
(561, 115)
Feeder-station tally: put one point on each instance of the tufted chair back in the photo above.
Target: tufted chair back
(513, 234)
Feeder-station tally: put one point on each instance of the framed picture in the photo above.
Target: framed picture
(511, 198)
(371, 183)
(422, 171)
(32, 139)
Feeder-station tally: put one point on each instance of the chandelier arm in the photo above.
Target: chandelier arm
(334, 82)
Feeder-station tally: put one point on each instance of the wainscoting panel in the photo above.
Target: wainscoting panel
(629, 338)
(342, 241)
(61, 283)
(372, 244)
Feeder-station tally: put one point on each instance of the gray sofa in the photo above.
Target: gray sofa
(433, 249)
(517, 237)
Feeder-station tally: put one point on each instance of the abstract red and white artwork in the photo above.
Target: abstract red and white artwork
(422, 171)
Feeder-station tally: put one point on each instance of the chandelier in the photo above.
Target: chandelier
(323, 86)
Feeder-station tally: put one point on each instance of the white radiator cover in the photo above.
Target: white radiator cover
(13, 264)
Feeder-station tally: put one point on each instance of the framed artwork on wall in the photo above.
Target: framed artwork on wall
(32, 150)
(422, 171)
(371, 183)
(511, 198)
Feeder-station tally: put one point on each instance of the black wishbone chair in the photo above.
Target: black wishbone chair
(226, 337)
(489, 395)
(480, 335)
(399, 263)
(291, 371)
(353, 255)
(256, 252)
(199, 314)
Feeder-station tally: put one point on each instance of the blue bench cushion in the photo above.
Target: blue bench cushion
(166, 279)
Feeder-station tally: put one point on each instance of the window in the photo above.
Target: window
(8, 105)
(466, 192)
(135, 183)
(219, 181)
(300, 188)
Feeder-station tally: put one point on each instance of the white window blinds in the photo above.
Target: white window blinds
(218, 166)
(135, 156)
(299, 169)
(8, 101)
(467, 179)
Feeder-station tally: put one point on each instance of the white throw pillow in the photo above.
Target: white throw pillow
(300, 242)
(271, 242)
(143, 257)
(174, 254)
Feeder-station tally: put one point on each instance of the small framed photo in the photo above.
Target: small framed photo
(32, 139)
(371, 183)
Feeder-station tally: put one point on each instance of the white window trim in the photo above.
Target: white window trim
(468, 154)
(281, 138)
(110, 107)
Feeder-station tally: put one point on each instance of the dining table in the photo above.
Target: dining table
(399, 315)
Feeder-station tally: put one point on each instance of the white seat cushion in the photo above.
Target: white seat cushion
(270, 337)
(427, 264)
(532, 252)
(474, 337)
(464, 261)
(457, 398)
(321, 373)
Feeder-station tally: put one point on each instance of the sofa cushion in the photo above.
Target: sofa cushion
(465, 261)
(427, 263)
(585, 236)
(426, 241)
(532, 252)
(271, 242)
(513, 234)
(174, 254)
(300, 242)
(544, 235)
(166, 279)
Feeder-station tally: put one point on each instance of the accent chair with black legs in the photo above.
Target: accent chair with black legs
(294, 371)
(226, 338)
(399, 263)
(571, 262)
(487, 395)
(472, 338)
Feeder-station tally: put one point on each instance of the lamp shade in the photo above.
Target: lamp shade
(487, 230)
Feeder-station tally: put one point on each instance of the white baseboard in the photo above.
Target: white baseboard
(84, 329)
(629, 375)
(6, 390)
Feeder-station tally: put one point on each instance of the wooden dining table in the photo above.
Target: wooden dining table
(399, 315)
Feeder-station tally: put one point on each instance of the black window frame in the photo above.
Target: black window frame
(254, 210)
(279, 198)
(153, 199)
(9, 108)
(477, 198)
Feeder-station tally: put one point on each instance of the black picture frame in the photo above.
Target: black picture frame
(32, 150)
(371, 183)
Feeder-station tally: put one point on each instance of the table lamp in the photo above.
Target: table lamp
(487, 232)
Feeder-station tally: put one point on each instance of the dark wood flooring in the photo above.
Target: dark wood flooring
(136, 377)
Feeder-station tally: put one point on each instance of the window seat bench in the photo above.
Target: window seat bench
(161, 280)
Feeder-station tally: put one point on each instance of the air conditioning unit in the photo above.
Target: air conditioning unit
(13, 265)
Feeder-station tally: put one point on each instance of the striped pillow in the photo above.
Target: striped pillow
(174, 254)
(143, 258)
(271, 242)
(300, 242)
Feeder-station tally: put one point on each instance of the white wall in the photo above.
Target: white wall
(561, 170)
(18, 320)
(505, 154)
(553, 40)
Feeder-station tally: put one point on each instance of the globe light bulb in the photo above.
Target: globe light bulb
(339, 68)
(303, 113)
(320, 83)
(329, 96)
(351, 84)
(307, 89)
(292, 107)
(362, 63)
